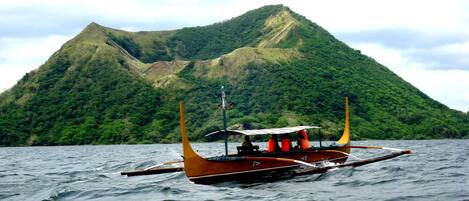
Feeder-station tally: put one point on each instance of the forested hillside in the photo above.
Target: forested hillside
(109, 86)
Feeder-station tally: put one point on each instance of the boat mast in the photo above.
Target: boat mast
(320, 137)
(223, 105)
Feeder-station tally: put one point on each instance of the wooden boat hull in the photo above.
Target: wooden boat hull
(201, 170)
(207, 170)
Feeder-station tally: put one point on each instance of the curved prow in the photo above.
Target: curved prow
(345, 139)
(188, 152)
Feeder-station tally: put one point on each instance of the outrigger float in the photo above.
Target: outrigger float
(255, 164)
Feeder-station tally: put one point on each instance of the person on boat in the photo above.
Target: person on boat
(247, 142)
(286, 143)
(303, 141)
(272, 144)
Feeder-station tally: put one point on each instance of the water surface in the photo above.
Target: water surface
(437, 170)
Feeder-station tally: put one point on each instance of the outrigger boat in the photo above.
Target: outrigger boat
(255, 164)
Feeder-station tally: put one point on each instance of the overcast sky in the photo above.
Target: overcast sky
(424, 42)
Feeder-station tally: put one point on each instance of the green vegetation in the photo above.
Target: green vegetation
(220, 38)
(90, 100)
(159, 52)
(279, 69)
(127, 43)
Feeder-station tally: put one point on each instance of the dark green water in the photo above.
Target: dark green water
(437, 170)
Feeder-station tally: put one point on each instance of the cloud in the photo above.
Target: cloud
(42, 18)
(21, 55)
(13, 74)
(403, 38)
(362, 15)
(393, 58)
(447, 56)
(336, 16)
(446, 51)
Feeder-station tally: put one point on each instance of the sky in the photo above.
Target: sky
(424, 42)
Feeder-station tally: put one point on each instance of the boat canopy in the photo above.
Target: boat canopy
(268, 131)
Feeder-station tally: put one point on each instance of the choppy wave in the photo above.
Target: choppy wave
(438, 170)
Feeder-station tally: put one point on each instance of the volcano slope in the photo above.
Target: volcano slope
(108, 86)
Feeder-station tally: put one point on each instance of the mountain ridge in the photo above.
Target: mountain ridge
(108, 86)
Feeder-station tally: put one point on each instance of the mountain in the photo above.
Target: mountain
(108, 86)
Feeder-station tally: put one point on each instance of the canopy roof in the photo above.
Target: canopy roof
(268, 131)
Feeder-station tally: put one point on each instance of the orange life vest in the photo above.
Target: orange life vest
(271, 145)
(286, 144)
(304, 143)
